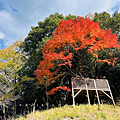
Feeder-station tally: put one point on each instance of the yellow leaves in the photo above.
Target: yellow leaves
(10, 64)
(18, 43)
(11, 59)
(2, 65)
(7, 53)
(25, 78)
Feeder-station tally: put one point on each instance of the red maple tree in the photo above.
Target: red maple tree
(73, 38)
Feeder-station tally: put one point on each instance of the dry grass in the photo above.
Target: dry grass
(81, 112)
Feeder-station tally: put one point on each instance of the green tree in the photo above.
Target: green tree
(103, 19)
(111, 72)
(36, 38)
(11, 61)
(107, 21)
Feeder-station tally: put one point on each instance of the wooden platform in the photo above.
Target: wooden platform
(87, 84)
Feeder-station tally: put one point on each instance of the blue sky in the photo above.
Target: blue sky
(17, 16)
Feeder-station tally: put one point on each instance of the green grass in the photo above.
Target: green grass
(81, 112)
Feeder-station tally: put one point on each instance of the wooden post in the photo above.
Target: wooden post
(87, 93)
(77, 93)
(97, 93)
(73, 95)
(111, 94)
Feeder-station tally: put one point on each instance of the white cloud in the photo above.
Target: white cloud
(17, 16)
(2, 35)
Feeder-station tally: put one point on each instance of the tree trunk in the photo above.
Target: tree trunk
(34, 106)
(47, 96)
(4, 110)
(15, 100)
(15, 110)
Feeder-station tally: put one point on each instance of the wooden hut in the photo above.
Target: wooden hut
(87, 84)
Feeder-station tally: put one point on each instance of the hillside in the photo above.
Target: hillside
(81, 112)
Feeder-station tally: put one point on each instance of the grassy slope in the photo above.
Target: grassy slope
(81, 112)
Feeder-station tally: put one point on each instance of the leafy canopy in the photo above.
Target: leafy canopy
(69, 38)
(11, 61)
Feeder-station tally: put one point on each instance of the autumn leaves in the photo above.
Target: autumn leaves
(75, 35)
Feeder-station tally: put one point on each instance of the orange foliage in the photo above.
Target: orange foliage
(110, 54)
(111, 61)
(80, 33)
(52, 91)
